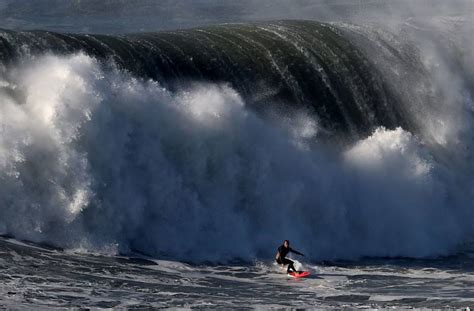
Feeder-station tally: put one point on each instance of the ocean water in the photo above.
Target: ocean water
(160, 162)
(36, 277)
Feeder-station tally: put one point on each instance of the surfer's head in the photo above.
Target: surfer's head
(286, 243)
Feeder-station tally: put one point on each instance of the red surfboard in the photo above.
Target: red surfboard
(300, 274)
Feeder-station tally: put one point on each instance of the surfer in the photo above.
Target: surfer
(283, 250)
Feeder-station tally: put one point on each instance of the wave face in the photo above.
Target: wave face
(292, 64)
(217, 143)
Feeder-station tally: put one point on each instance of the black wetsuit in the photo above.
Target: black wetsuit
(283, 251)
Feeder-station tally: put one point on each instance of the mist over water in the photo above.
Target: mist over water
(128, 16)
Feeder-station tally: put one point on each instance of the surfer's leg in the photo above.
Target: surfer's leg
(290, 265)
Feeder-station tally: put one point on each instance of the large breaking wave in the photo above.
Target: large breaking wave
(217, 143)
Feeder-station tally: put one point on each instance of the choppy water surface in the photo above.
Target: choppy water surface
(38, 277)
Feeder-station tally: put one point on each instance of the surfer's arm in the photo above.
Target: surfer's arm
(296, 252)
(277, 255)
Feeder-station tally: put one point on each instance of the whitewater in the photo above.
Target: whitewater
(95, 159)
(163, 169)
